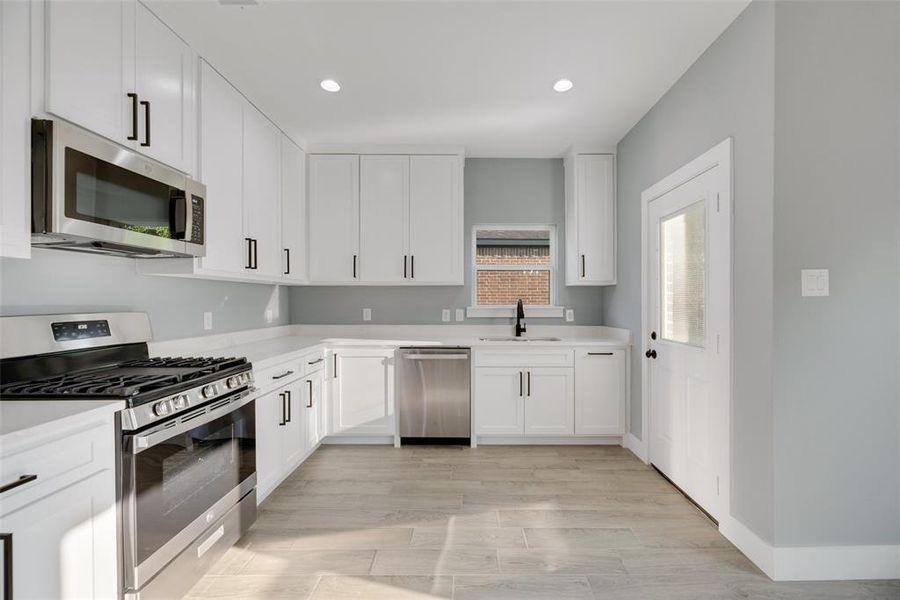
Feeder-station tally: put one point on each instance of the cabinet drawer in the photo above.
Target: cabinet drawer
(57, 458)
(531, 357)
(277, 376)
(314, 361)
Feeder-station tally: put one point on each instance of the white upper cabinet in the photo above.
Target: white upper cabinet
(221, 169)
(590, 219)
(15, 131)
(435, 219)
(90, 66)
(115, 69)
(333, 218)
(262, 193)
(165, 87)
(383, 207)
(405, 228)
(293, 211)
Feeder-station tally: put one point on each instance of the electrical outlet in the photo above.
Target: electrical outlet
(570, 315)
(207, 321)
(367, 314)
(814, 282)
(445, 315)
(460, 314)
(270, 315)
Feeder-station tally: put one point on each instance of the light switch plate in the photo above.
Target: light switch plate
(445, 315)
(367, 314)
(207, 321)
(460, 314)
(570, 315)
(814, 282)
(270, 315)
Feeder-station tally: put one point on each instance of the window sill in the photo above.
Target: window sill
(531, 312)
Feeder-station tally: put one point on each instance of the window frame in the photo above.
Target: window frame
(504, 310)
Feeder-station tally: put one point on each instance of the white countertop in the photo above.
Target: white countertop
(270, 346)
(19, 416)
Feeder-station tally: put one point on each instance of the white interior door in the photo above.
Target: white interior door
(688, 276)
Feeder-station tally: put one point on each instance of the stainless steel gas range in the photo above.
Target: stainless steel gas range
(186, 439)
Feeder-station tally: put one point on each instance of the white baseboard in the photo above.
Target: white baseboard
(349, 440)
(558, 440)
(637, 447)
(814, 563)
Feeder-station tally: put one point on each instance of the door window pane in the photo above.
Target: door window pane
(683, 276)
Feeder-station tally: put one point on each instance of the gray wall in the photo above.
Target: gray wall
(54, 281)
(727, 92)
(837, 206)
(497, 191)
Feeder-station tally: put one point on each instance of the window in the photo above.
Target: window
(683, 280)
(511, 263)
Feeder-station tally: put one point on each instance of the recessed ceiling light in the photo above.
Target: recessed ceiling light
(330, 85)
(563, 85)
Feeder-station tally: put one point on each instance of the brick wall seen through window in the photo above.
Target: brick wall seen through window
(527, 256)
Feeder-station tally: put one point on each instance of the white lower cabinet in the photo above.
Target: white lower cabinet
(61, 520)
(499, 401)
(529, 401)
(280, 436)
(313, 405)
(600, 392)
(549, 401)
(362, 391)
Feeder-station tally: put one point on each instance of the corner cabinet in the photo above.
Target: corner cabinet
(362, 392)
(115, 69)
(385, 219)
(590, 219)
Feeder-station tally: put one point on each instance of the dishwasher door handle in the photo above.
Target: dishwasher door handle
(436, 356)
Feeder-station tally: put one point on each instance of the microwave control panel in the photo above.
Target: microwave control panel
(196, 219)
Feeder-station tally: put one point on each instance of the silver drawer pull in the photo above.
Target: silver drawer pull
(283, 375)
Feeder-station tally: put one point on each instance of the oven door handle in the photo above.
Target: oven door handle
(189, 421)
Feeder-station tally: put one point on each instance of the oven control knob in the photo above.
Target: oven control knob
(209, 391)
(180, 402)
(233, 382)
(161, 409)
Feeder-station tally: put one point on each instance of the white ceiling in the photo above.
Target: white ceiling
(469, 73)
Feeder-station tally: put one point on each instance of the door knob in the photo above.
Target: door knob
(650, 353)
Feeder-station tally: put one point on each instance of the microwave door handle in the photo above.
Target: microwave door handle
(179, 216)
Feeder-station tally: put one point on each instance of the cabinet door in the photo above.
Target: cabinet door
(435, 220)
(293, 210)
(15, 131)
(270, 417)
(549, 401)
(363, 390)
(600, 392)
(164, 80)
(90, 65)
(262, 191)
(499, 395)
(294, 435)
(383, 209)
(314, 409)
(596, 218)
(333, 218)
(221, 169)
(64, 544)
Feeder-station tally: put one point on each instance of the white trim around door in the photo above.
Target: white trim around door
(720, 159)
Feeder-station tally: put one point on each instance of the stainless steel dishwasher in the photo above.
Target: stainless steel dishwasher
(434, 395)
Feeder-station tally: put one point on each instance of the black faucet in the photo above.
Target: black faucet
(520, 316)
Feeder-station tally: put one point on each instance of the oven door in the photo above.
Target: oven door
(181, 476)
(100, 192)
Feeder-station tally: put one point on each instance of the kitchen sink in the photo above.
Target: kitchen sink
(520, 339)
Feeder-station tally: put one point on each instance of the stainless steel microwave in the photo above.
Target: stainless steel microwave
(91, 195)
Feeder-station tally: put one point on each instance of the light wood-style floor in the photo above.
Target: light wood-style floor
(496, 522)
